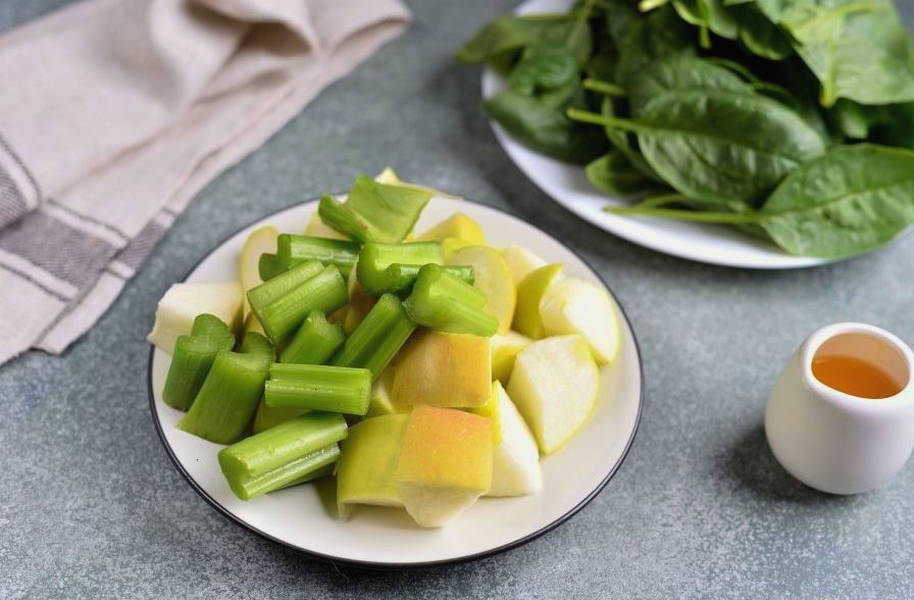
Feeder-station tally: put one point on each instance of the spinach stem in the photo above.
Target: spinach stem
(684, 215)
(584, 116)
(581, 21)
(662, 199)
(649, 5)
(603, 87)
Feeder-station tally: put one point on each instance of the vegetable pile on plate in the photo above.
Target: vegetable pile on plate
(792, 120)
(380, 358)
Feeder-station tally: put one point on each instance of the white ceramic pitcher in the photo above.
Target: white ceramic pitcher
(833, 441)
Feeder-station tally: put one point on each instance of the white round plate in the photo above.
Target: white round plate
(567, 185)
(302, 517)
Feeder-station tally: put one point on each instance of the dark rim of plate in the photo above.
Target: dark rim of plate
(394, 565)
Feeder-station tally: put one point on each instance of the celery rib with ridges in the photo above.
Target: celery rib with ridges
(229, 395)
(375, 211)
(281, 312)
(378, 337)
(391, 268)
(274, 287)
(293, 250)
(344, 390)
(443, 302)
(315, 342)
(192, 359)
(282, 455)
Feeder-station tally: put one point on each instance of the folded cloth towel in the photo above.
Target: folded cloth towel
(114, 114)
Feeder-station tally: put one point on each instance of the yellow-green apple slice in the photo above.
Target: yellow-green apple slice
(360, 302)
(260, 241)
(578, 306)
(515, 457)
(505, 349)
(381, 402)
(554, 386)
(521, 262)
(445, 463)
(318, 228)
(530, 291)
(457, 226)
(442, 369)
(492, 278)
(368, 462)
(182, 303)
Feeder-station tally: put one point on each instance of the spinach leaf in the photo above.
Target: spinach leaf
(508, 34)
(614, 173)
(680, 72)
(623, 142)
(720, 146)
(544, 128)
(641, 38)
(857, 48)
(848, 201)
(710, 14)
(546, 65)
(759, 35)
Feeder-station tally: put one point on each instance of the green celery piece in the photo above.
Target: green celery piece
(378, 337)
(391, 268)
(192, 359)
(374, 211)
(268, 291)
(269, 266)
(318, 387)
(228, 398)
(292, 473)
(325, 292)
(292, 250)
(314, 342)
(443, 302)
(290, 441)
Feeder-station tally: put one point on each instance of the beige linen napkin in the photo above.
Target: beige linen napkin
(114, 113)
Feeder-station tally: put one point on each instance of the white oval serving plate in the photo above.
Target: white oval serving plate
(303, 518)
(567, 185)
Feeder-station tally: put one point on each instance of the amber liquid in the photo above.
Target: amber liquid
(854, 376)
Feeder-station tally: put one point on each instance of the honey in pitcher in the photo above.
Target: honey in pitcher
(854, 376)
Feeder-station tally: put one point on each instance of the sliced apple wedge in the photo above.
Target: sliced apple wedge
(530, 291)
(318, 228)
(521, 262)
(260, 241)
(445, 463)
(381, 403)
(515, 458)
(457, 226)
(554, 385)
(442, 369)
(360, 302)
(492, 278)
(182, 303)
(368, 463)
(578, 306)
(505, 349)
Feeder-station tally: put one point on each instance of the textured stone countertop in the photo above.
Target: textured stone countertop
(91, 506)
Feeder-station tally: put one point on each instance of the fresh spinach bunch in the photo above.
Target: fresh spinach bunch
(789, 119)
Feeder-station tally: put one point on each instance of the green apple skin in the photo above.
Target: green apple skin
(530, 292)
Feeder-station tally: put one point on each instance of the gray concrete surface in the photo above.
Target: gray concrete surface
(90, 505)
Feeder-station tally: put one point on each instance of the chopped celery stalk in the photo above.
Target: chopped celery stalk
(375, 211)
(317, 387)
(295, 249)
(274, 287)
(292, 473)
(314, 342)
(269, 266)
(325, 471)
(443, 302)
(268, 416)
(325, 292)
(391, 268)
(192, 359)
(228, 398)
(378, 337)
(271, 449)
